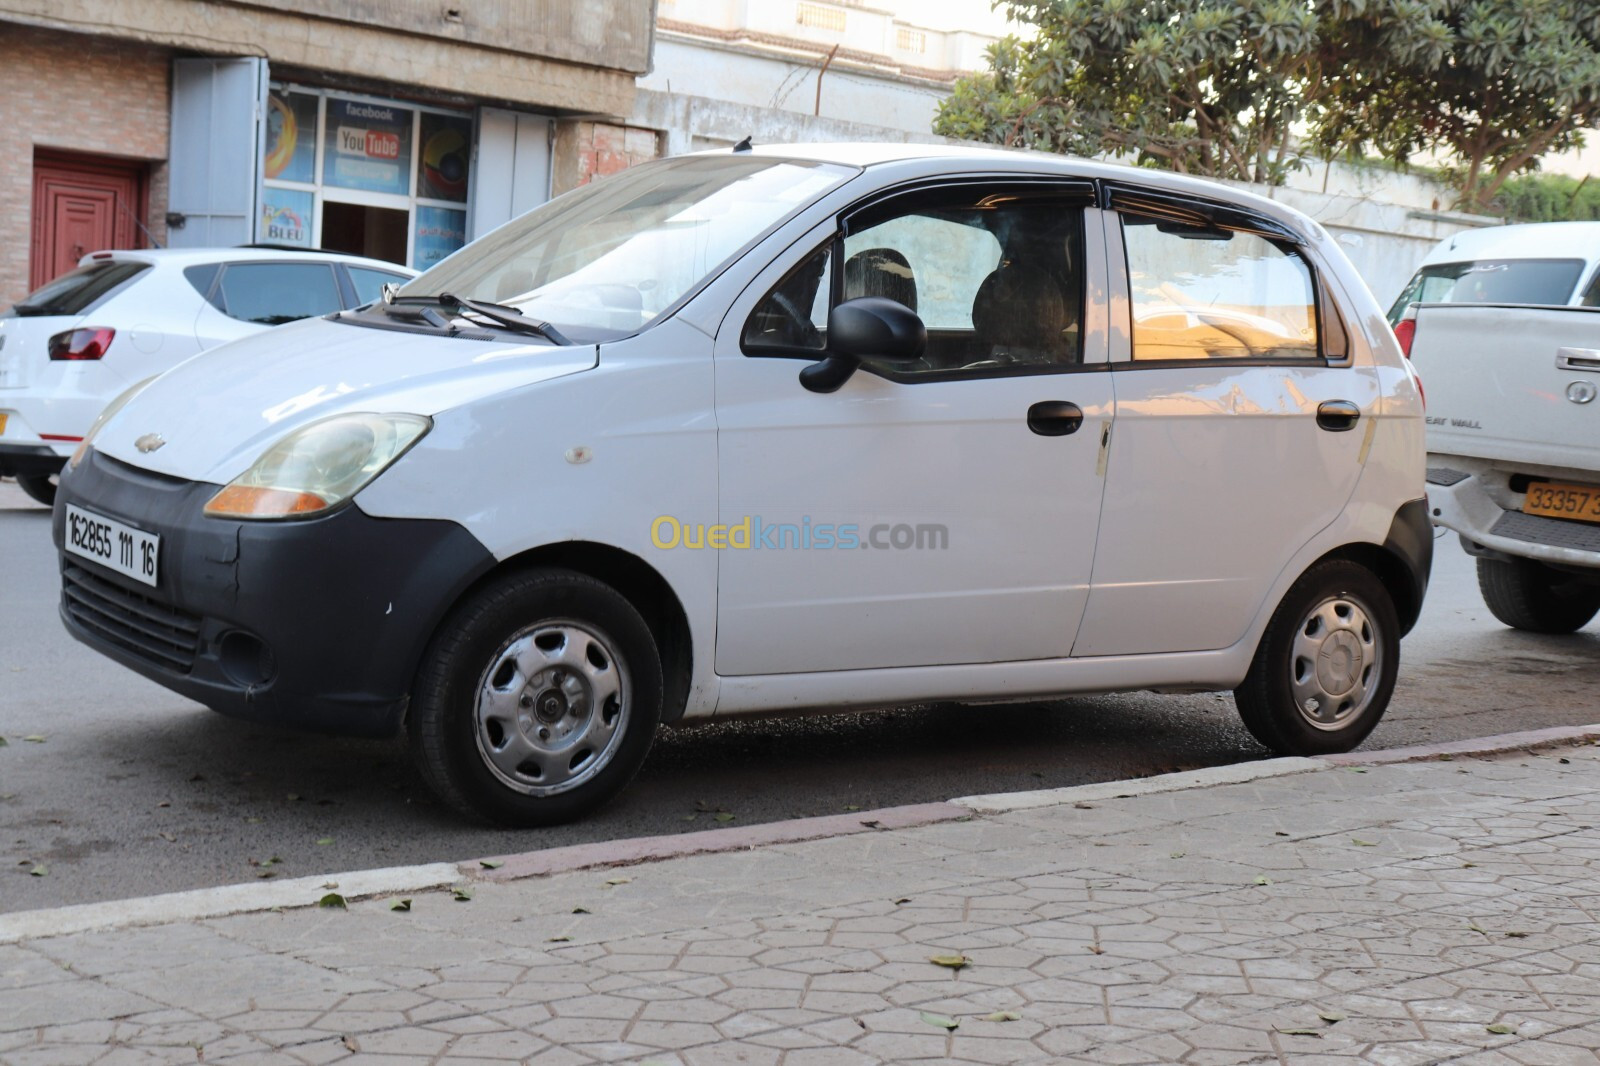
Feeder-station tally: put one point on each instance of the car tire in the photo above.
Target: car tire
(1528, 595)
(42, 487)
(1326, 665)
(537, 700)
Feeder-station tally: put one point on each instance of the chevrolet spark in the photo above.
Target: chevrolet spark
(791, 429)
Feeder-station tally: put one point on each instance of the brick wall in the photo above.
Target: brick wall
(76, 93)
(588, 150)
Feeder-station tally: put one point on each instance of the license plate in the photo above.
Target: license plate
(113, 544)
(1555, 500)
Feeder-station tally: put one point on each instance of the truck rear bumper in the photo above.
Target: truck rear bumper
(1482, 501)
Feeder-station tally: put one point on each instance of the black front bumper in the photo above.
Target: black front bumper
(317, 624)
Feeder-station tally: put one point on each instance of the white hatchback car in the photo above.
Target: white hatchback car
(72, 346)
(791, 429)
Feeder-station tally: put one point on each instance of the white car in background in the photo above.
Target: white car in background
(69, 348)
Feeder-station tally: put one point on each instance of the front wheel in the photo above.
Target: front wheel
(1528, 595)
(1326, 666)
(537, 700)
(42, 487)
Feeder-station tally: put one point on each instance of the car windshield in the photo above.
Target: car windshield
(607, 259)
(1534, 282)
(76, 292)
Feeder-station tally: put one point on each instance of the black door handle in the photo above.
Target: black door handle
(1054, 418)
(1336, 416)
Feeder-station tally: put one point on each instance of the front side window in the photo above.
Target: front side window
(1201, 293)
(270, 294)
(605, 260)
(997, 280)
(369, 283)
(1524, 282)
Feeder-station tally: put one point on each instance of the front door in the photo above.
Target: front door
(81, 204)
(914, 517)
(1220, 469)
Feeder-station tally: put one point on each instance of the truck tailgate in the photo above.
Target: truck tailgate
(1509, 383)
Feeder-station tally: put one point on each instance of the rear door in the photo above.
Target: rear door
(1220, 468)
(1515, 384)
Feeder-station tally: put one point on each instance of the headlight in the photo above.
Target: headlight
(318, 466)
(105, 416)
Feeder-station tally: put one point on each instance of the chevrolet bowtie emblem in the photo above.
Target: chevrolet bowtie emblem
(149, 442)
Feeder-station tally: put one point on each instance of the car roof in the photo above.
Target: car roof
(1534, 240)
(956, 159)
(183, 257)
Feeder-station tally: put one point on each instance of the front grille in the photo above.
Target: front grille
(1556, 532)
(154, 631)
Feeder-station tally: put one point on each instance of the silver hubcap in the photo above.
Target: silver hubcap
(552, 708)
(1335, 663)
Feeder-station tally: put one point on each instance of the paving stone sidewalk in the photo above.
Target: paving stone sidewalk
(1439, 911)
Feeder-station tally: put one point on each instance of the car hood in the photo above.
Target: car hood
(217, 412)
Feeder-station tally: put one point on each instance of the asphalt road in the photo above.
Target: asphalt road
(134, 790)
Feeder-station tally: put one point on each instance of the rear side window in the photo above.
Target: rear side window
(1536, 282)
(1216, 294)
(273, 293)
(369, 283)
(79, 291)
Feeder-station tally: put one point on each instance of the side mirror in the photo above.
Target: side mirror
(868, 327)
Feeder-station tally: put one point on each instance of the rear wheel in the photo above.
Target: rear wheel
(537, 701)
(42, 487)
(1326, 666)
(1528, 595)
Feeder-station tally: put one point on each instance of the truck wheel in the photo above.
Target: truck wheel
(537, 700)
(1326, 665)
(1528, 595)
(42, 487)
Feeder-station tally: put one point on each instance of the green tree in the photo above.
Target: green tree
(1233, 88)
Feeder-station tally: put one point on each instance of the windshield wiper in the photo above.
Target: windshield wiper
(509, 317)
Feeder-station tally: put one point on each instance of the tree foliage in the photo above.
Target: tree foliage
(1233, 88)
(1549, 198)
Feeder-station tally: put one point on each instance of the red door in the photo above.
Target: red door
(81, 204)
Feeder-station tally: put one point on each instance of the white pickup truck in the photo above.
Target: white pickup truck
(1506, 340)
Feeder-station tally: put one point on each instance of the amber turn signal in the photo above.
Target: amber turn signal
(249, 501)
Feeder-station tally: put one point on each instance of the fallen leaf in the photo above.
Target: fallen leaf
(1084, 806)
(954, 962)
(1358, 769)
(1298, 1032)
(1565, 762)
(264, 874)
(164, 803)
(1333, 1017)
(1476, 928)
(618, 880)
(169, 838)
(581, 910)
(940, 1020)
(1469, 865)
(852, 807)
(325, 841)
(3, 743)
(1097, 949)
(1263, 880)
(1280, 833)
(1501, 1029)
(461, 894)
(350, 1043)
(34, 738)
(1358, 842)
(902, 900)
(197, 777)
(562, 939)
(490, 864)
(292, 796)
(1517, 935)
(40, 870)
(400, 905)
(859, 1022)
(690, 817)
(252, 821)
(1003, 1016)
(872, 823)
(330, 885)
(1177, 855)
(332, 899)
(724, 816)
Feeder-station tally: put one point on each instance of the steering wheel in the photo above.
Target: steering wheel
(809, 335)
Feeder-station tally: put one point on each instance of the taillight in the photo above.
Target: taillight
(1405, 331)
(88, 343)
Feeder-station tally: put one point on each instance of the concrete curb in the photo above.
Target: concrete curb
(221, 902)
(305, 891)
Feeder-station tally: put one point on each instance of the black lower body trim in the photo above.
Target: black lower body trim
(1410, 540)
